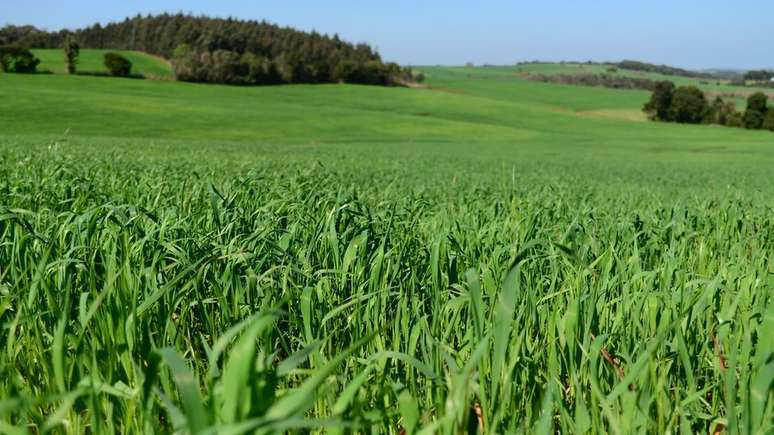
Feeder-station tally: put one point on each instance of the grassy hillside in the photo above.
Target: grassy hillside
(91, 60)
(486, 253)
(717, 86)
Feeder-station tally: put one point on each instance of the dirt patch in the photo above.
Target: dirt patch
(622, 114)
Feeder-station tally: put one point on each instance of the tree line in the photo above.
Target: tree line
(602, 80)
(230, 51)
(689, 105)
(759, 75)
(634, 65)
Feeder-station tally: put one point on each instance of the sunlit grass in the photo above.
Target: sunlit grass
(140, 294)
(347, 259)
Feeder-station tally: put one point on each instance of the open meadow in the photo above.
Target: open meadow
(482, 254)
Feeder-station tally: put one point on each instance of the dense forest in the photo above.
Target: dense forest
(228, 50)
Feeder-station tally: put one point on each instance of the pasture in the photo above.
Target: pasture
(482, 255)
(92, 61)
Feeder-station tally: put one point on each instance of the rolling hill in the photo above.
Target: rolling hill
(92, 61)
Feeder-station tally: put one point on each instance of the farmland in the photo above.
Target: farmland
(484, 253)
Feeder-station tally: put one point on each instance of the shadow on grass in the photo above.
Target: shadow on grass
(107, 74)
(31, 73)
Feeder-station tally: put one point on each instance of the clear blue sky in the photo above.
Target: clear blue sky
(687, 33)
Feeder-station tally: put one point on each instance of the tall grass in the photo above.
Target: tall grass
(151, 295)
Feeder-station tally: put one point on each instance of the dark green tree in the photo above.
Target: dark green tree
(658, 108)
(756, 111)
(689, 105)
(18, 60)
(118, 65)
(722, 112)
(768, 122)
(72, 50)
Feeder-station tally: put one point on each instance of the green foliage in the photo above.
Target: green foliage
(768, 122)
(723, 113)
(222, 66)
(755, 114)
(229, 67)
(757, 102)
(759, 75)
(72, 50)
(370, 73)
(659, 107)
(688, 105)
(118, 65)
(753, 120)
(735, 120)
(17, 60)
(634, 65)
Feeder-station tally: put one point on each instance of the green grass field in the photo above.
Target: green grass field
(484, 255)
(92, 61)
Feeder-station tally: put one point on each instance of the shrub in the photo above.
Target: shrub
(72, 50)
(118, 65)
(658, 108)
(756, 111)
(753, 120)
(721, 111)
(768, 122)
(735, 120)
(365, 73)
(757, 102)
(17, 59)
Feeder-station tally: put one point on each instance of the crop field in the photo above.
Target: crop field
(93, 61)
(482, 255)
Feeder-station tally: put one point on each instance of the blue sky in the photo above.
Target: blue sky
(687, 33)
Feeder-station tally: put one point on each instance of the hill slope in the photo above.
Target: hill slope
(92, 61)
